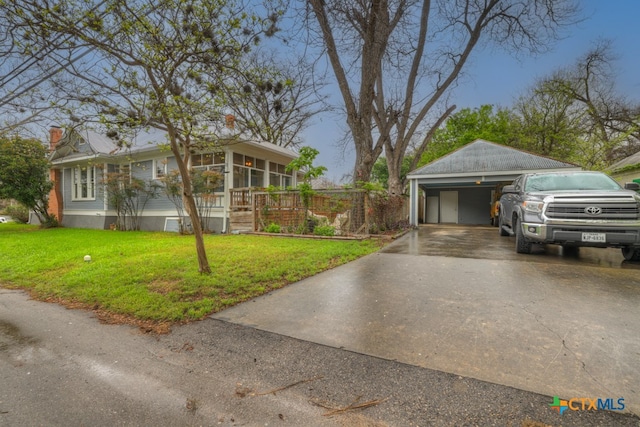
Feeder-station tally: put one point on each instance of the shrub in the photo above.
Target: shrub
(386, 213)
(310, 224)
(324, 230)
(272, 228)
(19, 213)
(50, 222)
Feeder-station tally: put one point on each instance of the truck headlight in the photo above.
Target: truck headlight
(533, 207)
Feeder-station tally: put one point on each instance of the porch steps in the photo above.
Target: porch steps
(241, 221)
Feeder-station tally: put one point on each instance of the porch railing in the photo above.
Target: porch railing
(240, 199)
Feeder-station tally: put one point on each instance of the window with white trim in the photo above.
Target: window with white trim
(160, 168)
(278, 175)
(248, 171)
(211, 162)
(83, 183)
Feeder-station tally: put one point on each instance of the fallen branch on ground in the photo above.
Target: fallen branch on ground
(351, 407)
(275, 390)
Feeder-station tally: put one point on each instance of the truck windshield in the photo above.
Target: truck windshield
(569, 182)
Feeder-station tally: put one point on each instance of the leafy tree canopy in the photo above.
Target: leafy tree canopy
(380, 172)
(24, 172)
(467, 125)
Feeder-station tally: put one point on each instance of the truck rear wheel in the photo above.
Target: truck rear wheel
(630, 253)
(523, 246)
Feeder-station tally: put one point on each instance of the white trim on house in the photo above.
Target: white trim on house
(217, 210)
(175, 220)
(83, 212)
(163, 166)
(460, 176)
(78, 187)
(143, 158)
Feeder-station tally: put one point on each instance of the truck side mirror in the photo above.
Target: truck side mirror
(632, 186)
(508, 189)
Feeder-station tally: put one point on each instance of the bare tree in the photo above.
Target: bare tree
(153, 63)
(609, 124)
(396, 60)
(24, 106)
(274, 98)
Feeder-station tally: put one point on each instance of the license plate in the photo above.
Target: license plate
(594, 237)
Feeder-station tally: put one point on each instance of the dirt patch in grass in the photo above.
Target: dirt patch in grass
(163, 287)
(110, 318)
(145, 326)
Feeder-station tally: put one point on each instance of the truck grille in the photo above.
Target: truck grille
(613, 209)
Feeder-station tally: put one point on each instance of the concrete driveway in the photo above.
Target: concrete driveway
(460, 300)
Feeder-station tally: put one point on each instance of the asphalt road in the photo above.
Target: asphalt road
(61, 367)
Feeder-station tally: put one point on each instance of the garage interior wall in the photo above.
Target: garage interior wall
(474, 203)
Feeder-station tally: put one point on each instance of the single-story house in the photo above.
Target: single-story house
(460, 187)
(81, 159)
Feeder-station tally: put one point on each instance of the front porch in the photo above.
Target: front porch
(347, 212)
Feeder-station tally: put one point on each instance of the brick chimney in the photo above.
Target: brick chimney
(55, 195)
(230, 121)
(55, 135)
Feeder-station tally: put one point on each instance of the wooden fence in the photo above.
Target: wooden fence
(346, 211)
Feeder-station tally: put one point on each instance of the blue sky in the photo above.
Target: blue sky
(498, 78)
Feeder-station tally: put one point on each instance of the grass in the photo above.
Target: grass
(152, 277)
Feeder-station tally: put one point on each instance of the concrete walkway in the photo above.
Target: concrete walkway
(544, 323)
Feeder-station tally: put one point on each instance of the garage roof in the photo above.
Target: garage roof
(633, 159)
(483, 156)
(479, 164)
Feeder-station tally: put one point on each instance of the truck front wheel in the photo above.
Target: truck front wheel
(523, 246)
(630, 253)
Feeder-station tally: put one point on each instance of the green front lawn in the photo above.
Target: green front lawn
(149, 276)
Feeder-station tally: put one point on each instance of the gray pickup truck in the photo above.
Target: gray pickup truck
(571, 209)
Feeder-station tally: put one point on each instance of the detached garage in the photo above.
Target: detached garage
(460, 187)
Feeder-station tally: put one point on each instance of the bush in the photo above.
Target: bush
(386, 213)
(311, 223)
(19, 213)
(50, 222)
(272, 228)
(324, 230)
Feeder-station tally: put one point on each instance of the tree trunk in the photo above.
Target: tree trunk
(192, 210)
(395, 159)
(365, 158)
(190, 205)
(394, 184)
(363, 167)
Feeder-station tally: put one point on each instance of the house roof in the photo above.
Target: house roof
(633, 159)
(101, 145)
(482, 156)
(143, 140)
